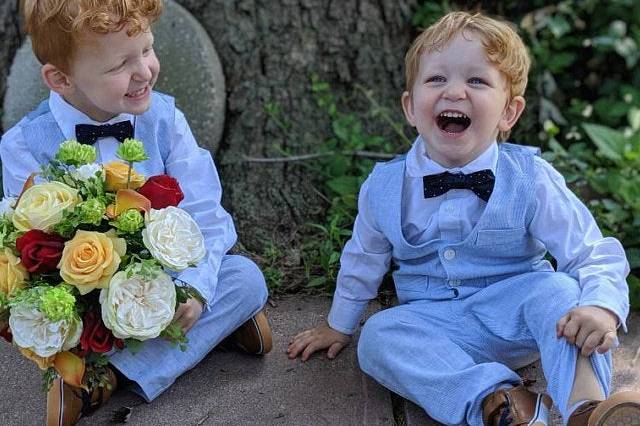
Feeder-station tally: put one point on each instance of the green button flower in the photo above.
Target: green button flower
(131, 150)
(73, 153)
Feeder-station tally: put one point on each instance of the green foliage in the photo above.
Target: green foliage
(175, 335)
(134, 345)
(609, 177)
(97, 373)
(8, 233)
(48, 378)
(342, 172)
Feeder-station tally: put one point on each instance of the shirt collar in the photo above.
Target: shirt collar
(67, 116)
(419, 164)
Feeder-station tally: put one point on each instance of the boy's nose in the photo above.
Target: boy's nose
(455, 92)
(143, 71)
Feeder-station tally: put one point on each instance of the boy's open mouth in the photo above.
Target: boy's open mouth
(453, 121)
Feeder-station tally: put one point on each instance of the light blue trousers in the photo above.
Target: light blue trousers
(240, 294)
(447, 355)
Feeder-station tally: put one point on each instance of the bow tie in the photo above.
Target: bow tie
(88, 134)
(481, 183)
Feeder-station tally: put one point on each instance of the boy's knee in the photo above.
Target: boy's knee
(554, 293)
(248, 277)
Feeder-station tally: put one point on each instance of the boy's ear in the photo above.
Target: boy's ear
(407, 107)
(512, 113)
(55, 79)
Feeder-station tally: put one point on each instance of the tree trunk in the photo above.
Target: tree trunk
(269, 49)
(10, 40)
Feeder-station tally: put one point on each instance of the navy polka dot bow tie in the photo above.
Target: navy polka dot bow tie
(481, 183)
(88, 134)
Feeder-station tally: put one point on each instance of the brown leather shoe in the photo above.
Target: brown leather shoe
(254, 336)
(620, 409)
(516, 406)
(66, 404)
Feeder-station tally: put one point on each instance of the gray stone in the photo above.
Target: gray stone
(626, 360)
(231, 388)
(190, 71)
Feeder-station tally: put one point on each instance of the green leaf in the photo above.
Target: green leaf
(316, 282)
(558, 26)
(134, 345)
(610, 142)
(344, 185)
(633, 256)
(634, 118)
(634, 291)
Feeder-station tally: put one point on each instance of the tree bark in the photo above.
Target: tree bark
(10, 39)
(269, 49)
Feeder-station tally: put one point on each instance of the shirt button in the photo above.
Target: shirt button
(454, 283)
(449, 254)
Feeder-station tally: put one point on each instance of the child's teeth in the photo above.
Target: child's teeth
(136, 93)
(452, 114)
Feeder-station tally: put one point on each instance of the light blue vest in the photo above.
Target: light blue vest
(498, 247)
(154, 128)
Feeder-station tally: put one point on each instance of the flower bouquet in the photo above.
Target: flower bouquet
(86, 254)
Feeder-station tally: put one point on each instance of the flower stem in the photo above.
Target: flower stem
(129, 173)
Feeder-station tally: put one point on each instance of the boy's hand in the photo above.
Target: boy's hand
(188, 313)
(589, 328)
(318, 338)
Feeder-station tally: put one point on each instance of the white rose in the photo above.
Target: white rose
(173, 238)
(87, 171)
(138, 307)
(6, 206)
(42, 206)
(32, 330)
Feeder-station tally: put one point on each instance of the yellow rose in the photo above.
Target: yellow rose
(41, 206)
(42, 362)
(90, 259)
(116, 174)
(13, 274)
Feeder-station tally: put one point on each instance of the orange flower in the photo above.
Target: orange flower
(43, 363)
(13, 274)
(90, 259)
(116, 174)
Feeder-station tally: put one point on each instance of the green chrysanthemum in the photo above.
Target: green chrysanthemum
(73, 153)
(129, 221)
(92, 211)
(131, 150)
(57, 303)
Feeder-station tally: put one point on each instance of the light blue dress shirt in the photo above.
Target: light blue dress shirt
(562, 223)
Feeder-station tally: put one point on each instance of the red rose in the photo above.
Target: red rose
(162, 191)
(95, 336)
(39, 251)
